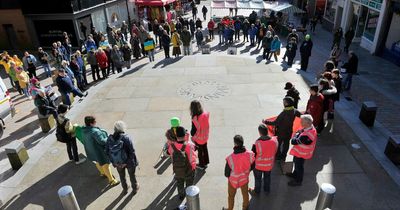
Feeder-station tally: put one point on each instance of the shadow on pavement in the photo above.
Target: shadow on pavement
(44, 192)
(164, 166)
(131, 71)
(164, 200)
(167, 62)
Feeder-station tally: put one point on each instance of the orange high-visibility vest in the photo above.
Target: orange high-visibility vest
(240, 165)
(266, 151)
(202, 125)
(305, 151)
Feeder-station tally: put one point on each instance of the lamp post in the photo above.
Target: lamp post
(129, 16)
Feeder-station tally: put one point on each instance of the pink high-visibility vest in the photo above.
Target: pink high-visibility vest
(202, 125)
(266, 151)
(302, 150)
(240, 165)
(192, 155)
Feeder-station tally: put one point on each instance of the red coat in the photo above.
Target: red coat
(211, 25)
(102, 60)
(315, 107)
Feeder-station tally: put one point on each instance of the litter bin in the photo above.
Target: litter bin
(368, 113)
(392, 150)
(192, 198)
(16, 153)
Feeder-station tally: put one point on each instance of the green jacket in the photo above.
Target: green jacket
(13, 74)
(94, 140)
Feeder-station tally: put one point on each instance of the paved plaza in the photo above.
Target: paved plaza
(238, 93)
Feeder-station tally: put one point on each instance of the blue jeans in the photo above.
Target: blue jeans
(347, 81)
(75, 91)
(258, 175)
(47, 69)
(150, 53)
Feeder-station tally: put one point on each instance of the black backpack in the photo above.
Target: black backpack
(180, 162)
(117, 153)
(61, 134)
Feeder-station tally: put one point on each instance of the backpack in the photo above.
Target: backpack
(61, 134)
(180, 162)
(117, 153)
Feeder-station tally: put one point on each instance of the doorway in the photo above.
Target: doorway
(11, 36)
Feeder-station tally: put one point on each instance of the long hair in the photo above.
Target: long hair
(195, 108)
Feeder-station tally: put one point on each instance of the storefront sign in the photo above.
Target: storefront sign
(49, 31)
(374, 4)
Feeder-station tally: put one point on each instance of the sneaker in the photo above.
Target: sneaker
(114, 183)
(80, 161)
(294, 183)
(85, 93)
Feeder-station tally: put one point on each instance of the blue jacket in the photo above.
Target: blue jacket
(253, 32)
(90, 45)
(276, 45)
(237, 25)
(65, 84)
(127, 147)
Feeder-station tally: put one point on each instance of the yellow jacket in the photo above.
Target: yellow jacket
(23, 79)
(17, 61)
(6, 65)
(176, 40)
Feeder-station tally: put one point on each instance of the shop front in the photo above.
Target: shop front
(161, 10)
(390, 48)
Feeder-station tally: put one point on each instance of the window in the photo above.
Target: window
(370, 27)
(330, 10)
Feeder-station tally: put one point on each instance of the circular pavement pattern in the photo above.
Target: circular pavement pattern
(203, 90)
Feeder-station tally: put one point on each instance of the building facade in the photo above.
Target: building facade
(46, 24)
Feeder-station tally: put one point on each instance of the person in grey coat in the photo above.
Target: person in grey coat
(117, 58)
(92, 61)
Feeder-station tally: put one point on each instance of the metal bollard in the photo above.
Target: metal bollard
(325, 197)
(192, 198)
(67, 197)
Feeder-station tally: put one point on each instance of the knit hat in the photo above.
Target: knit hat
(180, 132)
(175, 122)
(288, 85)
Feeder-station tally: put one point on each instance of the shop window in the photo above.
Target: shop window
(370, 27)
(330, 10)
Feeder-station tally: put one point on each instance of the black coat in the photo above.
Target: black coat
(305, 48)
(127, 146)
(284, 123)
(352, 65)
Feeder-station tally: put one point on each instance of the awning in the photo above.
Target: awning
(287, 8)
(157, 3)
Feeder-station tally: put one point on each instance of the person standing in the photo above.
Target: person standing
(293, 93)
(237, 170)
(186, 41)
(313, 24)
(29, 62)
(200, 132)
(176, 44)
(94, 65)
(103, 62)
(260, 34)
(77, 71)
(238, 26)
(337, 37)
(337, 79)
(166, 41)
(94, 140)
(44, 60)
(210, 27)
(348, 38)
(351, 67)
(266, 44)
(305, 52)
(204, 10)
(110, 63)
(117, 58)
(192, 27)
(291, 49)
(120, 150)
(284, 127)
(275, 48)
(221, 29)
(124, 29)
(245, 29)
(183, 161)
(315, 105)
(23, 81)
(82, 66)
(143, 35)
(252, 32)
(199, 24)
(149, 47)
(264, 150)
(199, 38)
(127, 54)
(12, 73)
(135, 44)
(303, 142)
(290, 37)
(66, 131)
(83, 29)
(194, 12)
